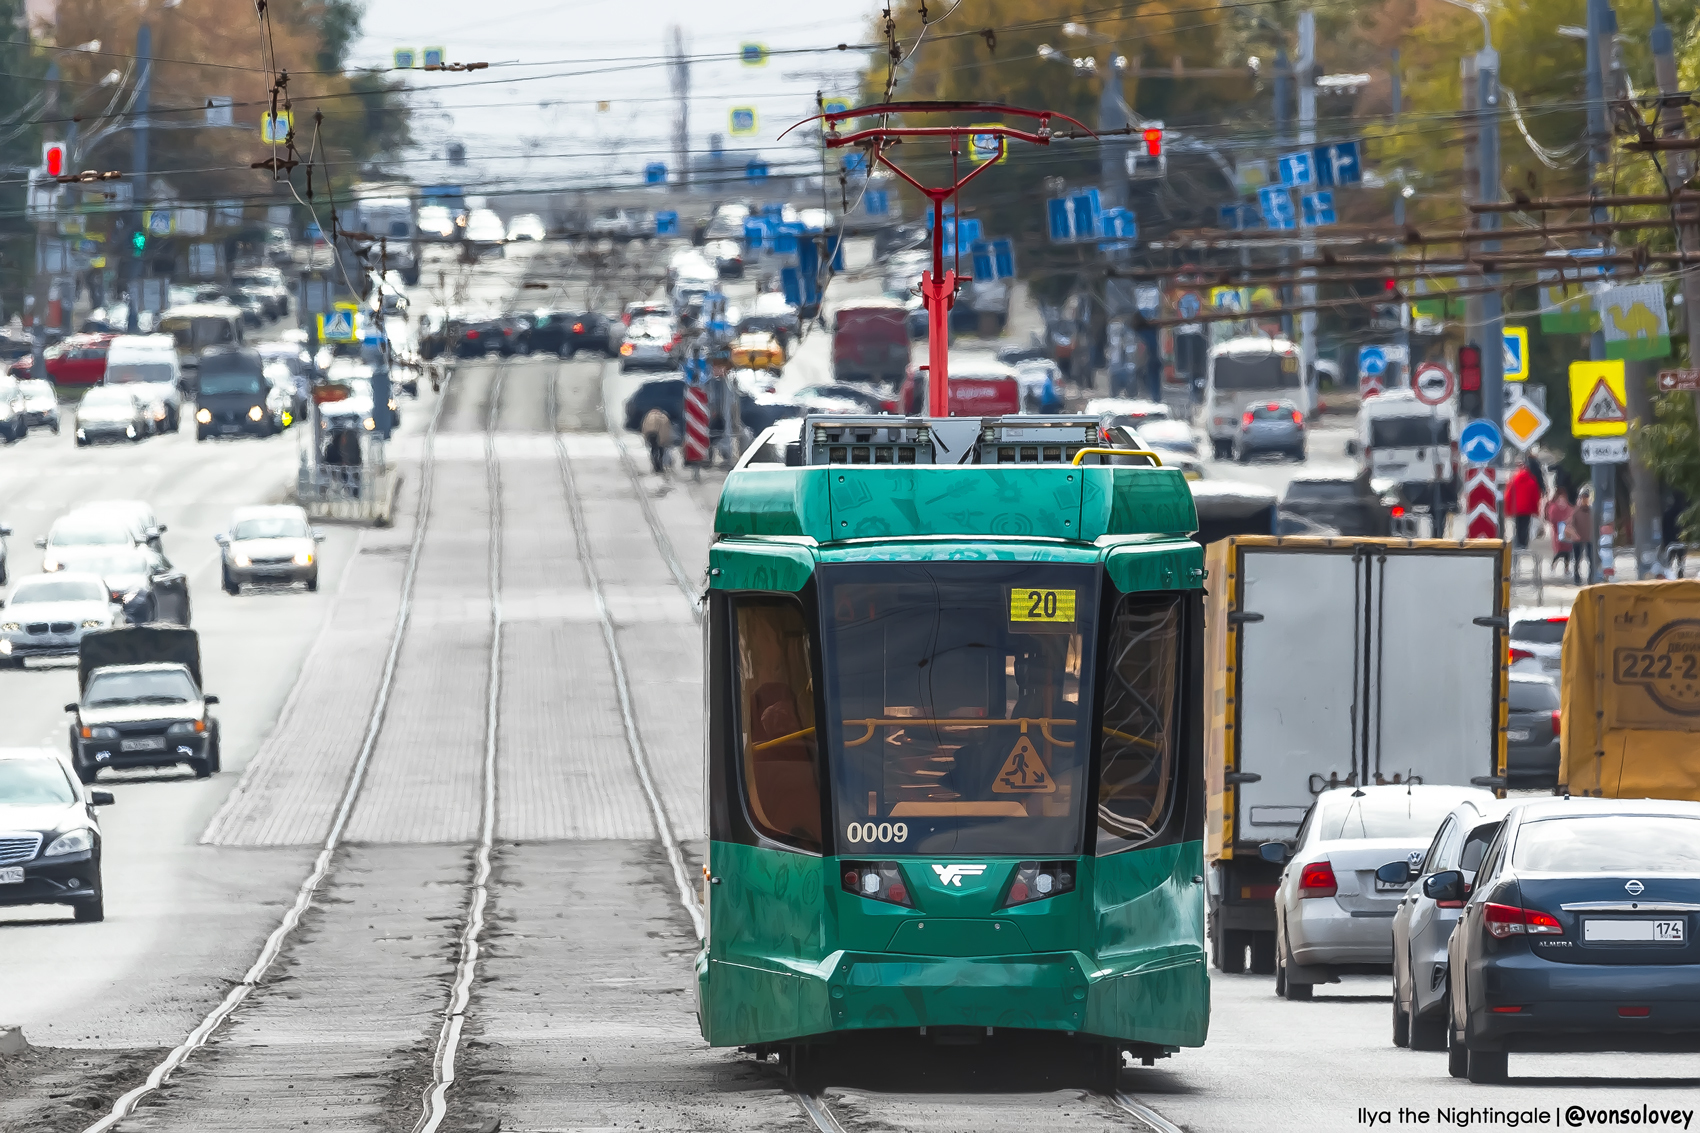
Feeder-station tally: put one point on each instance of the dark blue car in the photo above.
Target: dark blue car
(1578, 934)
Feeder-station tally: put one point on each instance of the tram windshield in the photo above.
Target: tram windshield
(959, 694)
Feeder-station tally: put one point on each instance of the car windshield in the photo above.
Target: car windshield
(1383, 814)
(100, 397)
(34, 782)
(35, 387)
(52, 589)
(121, 373)
(1410, 432)
(1322, 490)
(270, 527)
(230, 383)
(111, 565)
(105, 535)
(1609, 843)
(1533, 696)
(1539, 631)
(958, 697)
(1272, 412)
(1235, 372)
(147, 686)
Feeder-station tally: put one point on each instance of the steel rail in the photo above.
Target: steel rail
(273, 947)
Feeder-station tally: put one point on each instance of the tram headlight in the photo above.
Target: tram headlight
(1036, 881)
(877, 881)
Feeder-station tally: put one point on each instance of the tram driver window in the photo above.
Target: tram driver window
(776, 713)
(1137, 776)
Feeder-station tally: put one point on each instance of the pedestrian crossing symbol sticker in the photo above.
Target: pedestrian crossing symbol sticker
(337, 325)
(1597, 400)
(1023, 772)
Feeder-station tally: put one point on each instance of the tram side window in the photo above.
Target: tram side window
(1140, 691)
(776, 713)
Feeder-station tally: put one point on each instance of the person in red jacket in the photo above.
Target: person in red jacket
(1523, 500)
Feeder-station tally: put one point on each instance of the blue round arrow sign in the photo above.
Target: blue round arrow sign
(1480, 441)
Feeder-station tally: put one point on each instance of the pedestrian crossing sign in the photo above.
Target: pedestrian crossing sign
(1023, 772)
(1516, 354)
(338, 324)
(1598, 405)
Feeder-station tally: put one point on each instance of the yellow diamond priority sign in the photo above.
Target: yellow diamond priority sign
(1524, 423)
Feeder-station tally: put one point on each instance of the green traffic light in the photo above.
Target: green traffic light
(139, 241)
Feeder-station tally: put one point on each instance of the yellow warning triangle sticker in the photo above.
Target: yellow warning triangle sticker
(1023, 772)
(1602, 407)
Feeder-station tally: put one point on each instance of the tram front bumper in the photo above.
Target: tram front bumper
(1162, 1001)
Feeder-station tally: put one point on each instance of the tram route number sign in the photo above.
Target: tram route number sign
(1044, 607)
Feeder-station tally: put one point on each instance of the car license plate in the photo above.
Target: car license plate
(1517, 735)
(1391, 886)
(143, 743)
(12, 875)
(1598, 931)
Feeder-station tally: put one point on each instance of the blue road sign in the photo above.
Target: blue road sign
(808, 269)
(967, 231)
(1479, 442)
(855, 162)
(1120, 224)
(1338, 164)
(1298, 168)
(791, 283)
(667, 223)
(876, 202)
(949, 211)
(1003, 258)
(756, 171)
(773, 214)
(1088, 214)
(655, 173)
(432, 56)
(1237, 217)
(1276, 205)
(1318, 209)
(1372, 361)
(837, 245)
(755, 233)
(1056, 216)
(984, 267)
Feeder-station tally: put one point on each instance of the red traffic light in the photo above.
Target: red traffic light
(1153, 137)
(53, 158)
(1470, 368)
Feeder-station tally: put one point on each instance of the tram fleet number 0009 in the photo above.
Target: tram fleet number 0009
(877, 832)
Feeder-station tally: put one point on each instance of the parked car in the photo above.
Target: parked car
(14, 409)
(41, 404)
(649, 344)
(111, 413)
(50, 853)
(1332, 914)
(271, 543)
(77, 360)
(46, 615)
(1577, 934)
(1422, 925)
(141, 703)
(567, 332)
(1349, 504)
(1270, 426)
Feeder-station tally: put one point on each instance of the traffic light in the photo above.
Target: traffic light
(138, 242)
(1470, 381)
(53, 158)
(1153, 138)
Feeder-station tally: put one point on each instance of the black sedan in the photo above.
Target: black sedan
(483, 337)
(140, 579)
(1531, 732)
(50, 848)
(567, 332)
(1346, 503)
(1578, 934)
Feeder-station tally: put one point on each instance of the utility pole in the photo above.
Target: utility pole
(43, 234)
(1603, 477)
(1399, 223)
(679, 68)
(1472, 175)
(1114, 115)
(139, 167)
(1307, 248)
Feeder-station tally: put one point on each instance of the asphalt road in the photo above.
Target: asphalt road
(541, 706)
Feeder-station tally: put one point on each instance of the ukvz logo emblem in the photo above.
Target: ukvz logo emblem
(953, 874)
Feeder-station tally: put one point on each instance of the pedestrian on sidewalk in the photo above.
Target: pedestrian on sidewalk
(1582, 539)
(1557, 514)
(658, 435)
(1523, 500)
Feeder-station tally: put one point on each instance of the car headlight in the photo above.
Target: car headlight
(49, 563)
(92, 623)
(242, 560)
(70, 842)
(370, 424)
(159, 413)
(186, 728)
(11, 627)
(256, 413)
(204, 416)
(99, 733)
(303, 558)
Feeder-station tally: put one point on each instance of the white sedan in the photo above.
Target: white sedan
(527, 226)
(1332, 915)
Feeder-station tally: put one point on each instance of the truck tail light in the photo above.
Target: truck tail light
(1508, 920)
(1317, 880)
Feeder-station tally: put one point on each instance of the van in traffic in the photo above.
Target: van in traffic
(231, 394)
(197, 326)
(978, 388)
(146, 365)
(1242, 372)
(870, 343)
(1398, 438)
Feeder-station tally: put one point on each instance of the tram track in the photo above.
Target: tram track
(433, 1101)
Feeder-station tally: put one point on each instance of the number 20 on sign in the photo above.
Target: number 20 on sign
(1055, 607)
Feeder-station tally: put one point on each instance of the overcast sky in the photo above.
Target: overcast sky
(573, 55)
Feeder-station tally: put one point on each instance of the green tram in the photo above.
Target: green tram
(955, 761)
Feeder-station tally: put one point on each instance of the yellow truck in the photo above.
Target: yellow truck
(1630, 692)
(1338, 661)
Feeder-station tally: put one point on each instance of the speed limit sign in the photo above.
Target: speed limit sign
(1432, 383)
